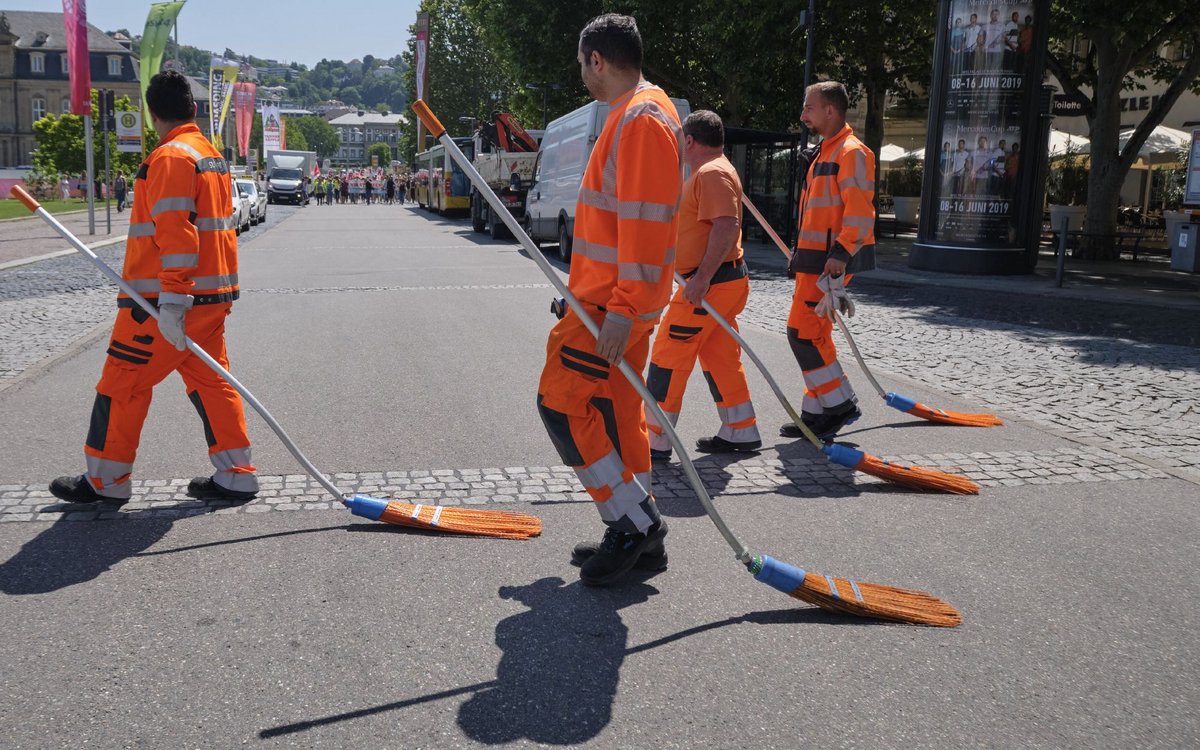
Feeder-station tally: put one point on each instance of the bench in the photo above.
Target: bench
(1090, 244)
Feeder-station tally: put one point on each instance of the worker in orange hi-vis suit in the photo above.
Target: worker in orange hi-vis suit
(709, 257)
(837, 239)
(181, 256)
(621, 270)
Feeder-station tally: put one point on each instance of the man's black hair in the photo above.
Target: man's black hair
(169, 97)
(616, 38)
(706, 127)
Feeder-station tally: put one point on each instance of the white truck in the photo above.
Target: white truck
(566, 146)
(288, 173)
(504, 157)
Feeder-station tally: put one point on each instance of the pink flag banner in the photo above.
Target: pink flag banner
(243, 111)
(79, 63)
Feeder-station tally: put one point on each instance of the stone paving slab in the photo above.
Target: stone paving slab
(1131, 397)
(503, 486)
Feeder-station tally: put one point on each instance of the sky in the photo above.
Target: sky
(302, 31)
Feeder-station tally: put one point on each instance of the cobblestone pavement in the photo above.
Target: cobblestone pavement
(48, 305)
(799, 477)
(32, 236)
(1134, 397)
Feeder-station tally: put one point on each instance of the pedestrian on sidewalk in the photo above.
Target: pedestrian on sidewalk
(625, 228)
(330, 189)
(391, 190)
(837, 239)
(120, 188)
(64, 186)
(182, 257)
(709, 256)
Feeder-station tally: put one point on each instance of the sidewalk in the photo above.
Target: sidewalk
(1147, 281)
(25, 240)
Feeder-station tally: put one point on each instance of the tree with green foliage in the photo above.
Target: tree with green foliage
(464, 78)
(318, 134)
(383, 151)
(1103, 48)
(61, 147)
(294, 136)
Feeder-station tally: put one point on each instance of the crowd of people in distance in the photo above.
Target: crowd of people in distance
(367, 186)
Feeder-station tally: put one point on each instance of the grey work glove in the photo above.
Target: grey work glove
(836, 298)
(614, 337)
(170, 324)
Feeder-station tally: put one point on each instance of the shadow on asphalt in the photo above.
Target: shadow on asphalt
(557, 678)
(73, 552)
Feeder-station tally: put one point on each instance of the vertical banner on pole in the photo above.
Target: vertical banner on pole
(79, 64)
(222, 74)
(154, 40)
(981, 149)
(272, 129)
(422, 63)
(243, 112)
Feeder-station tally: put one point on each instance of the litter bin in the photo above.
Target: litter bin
(1184, 254)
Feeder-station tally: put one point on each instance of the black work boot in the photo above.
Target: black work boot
(654, 558)
(828, 424)
(660, 457)
(718, 444)
(790, 430)
(79, 490)
(618, 553)
(204, 488)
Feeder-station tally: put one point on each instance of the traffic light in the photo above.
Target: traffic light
(108, 108)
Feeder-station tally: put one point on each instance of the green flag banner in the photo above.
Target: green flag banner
(154, 39)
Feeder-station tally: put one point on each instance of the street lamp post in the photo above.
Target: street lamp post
(545, 87)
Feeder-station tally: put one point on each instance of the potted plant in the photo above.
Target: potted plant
(1066, 192)
(1173, 184)
(904, 182)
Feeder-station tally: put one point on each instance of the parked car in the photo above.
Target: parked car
(239, 207)
(256, 197)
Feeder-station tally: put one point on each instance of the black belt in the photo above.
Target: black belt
(728, 271)
(199, 299)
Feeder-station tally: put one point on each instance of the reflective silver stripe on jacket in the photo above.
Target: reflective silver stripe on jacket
(184, 147)
(214, 282)
(860, 179)
(825, 201)
(215, 224)
(639, 272)
(212, 164)
(645, 210)
(144, 286)
(179, 260)
(812, 235)
(144, 229)
(173, 204)
(597, 199)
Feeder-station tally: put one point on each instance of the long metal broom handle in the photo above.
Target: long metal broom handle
(34, 206)
(435, 127)
(841, 325)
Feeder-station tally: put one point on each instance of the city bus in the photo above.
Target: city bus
(433, 190)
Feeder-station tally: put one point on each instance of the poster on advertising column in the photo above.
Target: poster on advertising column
(989, 67)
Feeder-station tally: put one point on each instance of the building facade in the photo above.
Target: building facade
(34, 79)
(359, 129)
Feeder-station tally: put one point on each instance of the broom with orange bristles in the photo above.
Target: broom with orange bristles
(847, 597)
(915, 477)
(500, 524)
(894, 400)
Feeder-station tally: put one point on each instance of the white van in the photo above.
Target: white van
(566, 146)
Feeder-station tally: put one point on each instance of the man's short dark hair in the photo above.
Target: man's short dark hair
(169, 97)
(833, 93)
(706, 127)
(616, 38)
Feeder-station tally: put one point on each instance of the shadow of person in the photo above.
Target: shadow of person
(73, 552)
(713, 471)
(557, 679)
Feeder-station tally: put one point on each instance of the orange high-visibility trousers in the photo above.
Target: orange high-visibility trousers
(689, 332)
(596, 422)
(811, 339)
(138, 359)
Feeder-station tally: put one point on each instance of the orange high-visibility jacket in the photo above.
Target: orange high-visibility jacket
(627, 214)
(182, 239)
(839, 196)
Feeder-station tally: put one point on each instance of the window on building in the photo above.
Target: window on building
(66, 106)
(39, 108)
(114, 65)
(37, 62)
(66, 65)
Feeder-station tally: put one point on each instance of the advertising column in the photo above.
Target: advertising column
(981, 155)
